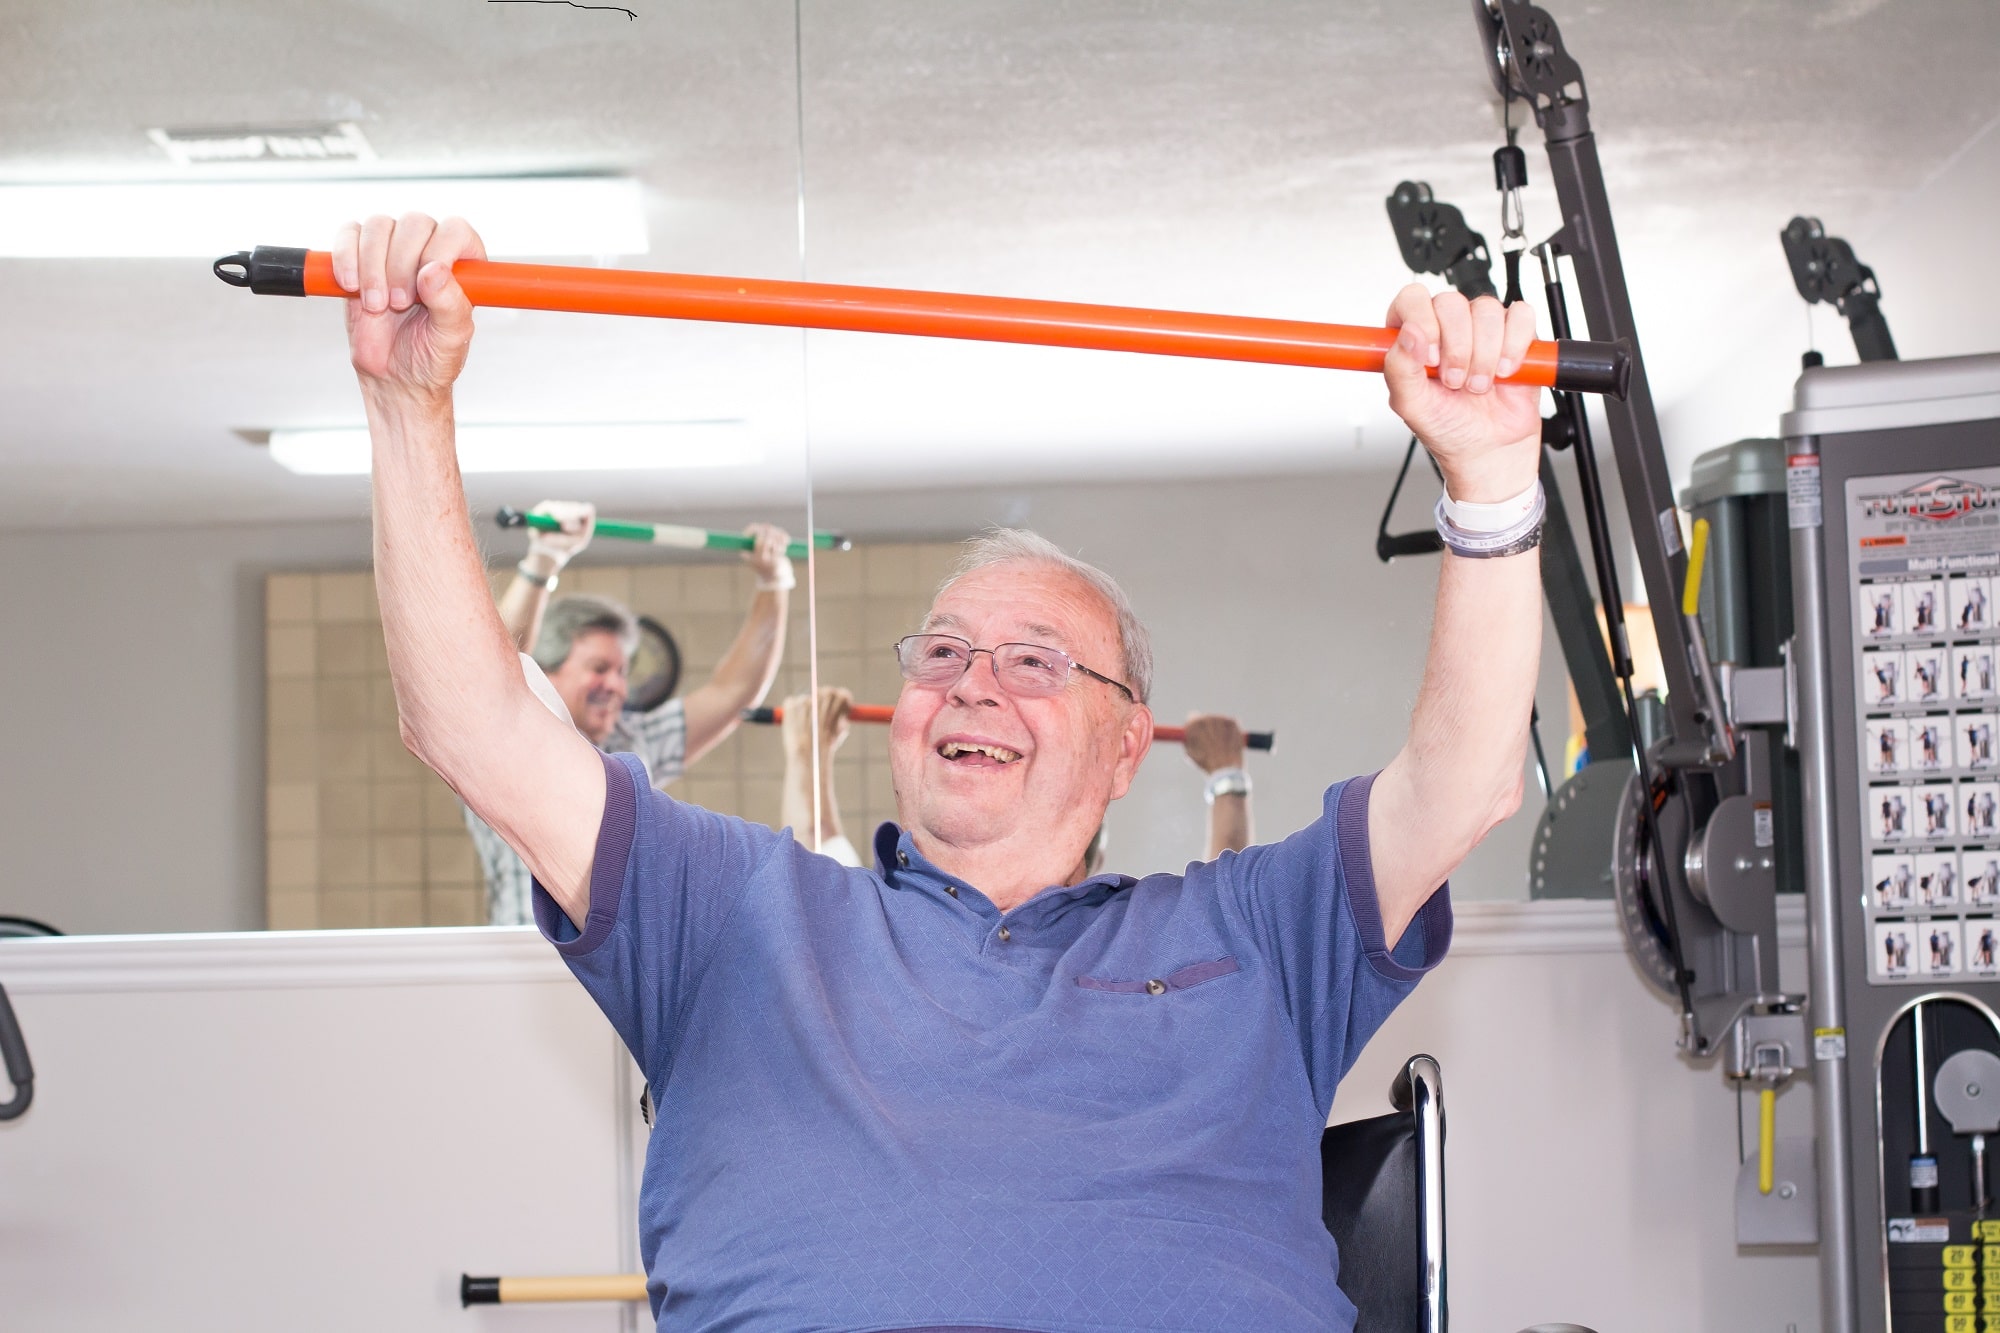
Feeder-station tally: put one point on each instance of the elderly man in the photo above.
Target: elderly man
(584, 646)
(965, 1090)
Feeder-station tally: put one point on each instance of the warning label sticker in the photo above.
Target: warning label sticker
(1802, 495)
(1919, 1230)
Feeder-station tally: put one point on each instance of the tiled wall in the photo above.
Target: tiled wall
(361, 834)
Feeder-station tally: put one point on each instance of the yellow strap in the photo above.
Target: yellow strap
(1767, 1103)
(1697, 556)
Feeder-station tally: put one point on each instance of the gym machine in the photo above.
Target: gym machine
(1829, 724)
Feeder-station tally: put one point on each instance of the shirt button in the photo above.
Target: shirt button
(1005, 934)
(902, 858)
(951, 889)
(1156, 987)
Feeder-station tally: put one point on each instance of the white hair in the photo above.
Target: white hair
(568, 618)
(998, 546)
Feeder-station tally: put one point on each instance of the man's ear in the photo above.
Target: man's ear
(1133, 743)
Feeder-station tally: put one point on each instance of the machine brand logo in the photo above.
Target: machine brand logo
(1940, 500)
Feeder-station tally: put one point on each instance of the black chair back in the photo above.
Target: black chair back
(1382, 1182)
(1369, 1171)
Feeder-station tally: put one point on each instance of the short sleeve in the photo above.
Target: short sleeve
(1309, 905)
(664, 884)
(659, 737)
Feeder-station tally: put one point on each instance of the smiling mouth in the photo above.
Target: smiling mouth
(958, 750)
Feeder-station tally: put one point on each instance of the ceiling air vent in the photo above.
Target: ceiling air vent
(338, 142)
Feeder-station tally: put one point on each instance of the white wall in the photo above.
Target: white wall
(1925, 254)
(131, 758)
(307, 1132)
(321, 1131)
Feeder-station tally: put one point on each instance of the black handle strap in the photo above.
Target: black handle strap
(14, 1053)
(1389, 545)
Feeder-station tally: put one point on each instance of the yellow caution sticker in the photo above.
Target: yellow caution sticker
(1961, 1302)
(1961, 1279)
(1988, 1230)
(1961, 1256)
(1961, 1323)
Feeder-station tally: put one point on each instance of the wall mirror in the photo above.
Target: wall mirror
(205, 737)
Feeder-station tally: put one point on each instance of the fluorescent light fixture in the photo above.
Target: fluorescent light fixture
(541, 216)
(632, 446)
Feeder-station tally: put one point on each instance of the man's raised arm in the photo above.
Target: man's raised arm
(464, 705)
(1460, 772)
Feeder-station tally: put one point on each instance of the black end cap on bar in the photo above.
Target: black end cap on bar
(765, 716)
(509, 517)
(478, 1290)
(1587, 367)
(269, 270)
(1258, 740)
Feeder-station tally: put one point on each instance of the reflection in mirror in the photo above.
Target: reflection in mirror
(171, 549)
(150, 408)
(1265, 605)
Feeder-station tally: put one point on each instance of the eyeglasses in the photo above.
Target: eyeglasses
(1027, 670)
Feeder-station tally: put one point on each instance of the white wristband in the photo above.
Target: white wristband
(1476, 518)
(784, 580)
(1226, 782)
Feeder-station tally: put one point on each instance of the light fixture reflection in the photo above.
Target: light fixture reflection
(541, 216)
(636, 446)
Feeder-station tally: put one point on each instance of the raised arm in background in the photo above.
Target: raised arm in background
(746, 671)
(796, 809)
(1214, 744)
(1460, 771)
(527, 594)
(465, 708)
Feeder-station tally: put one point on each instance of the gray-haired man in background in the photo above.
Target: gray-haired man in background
(583, 646)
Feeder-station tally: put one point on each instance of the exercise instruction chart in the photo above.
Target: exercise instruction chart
(1925, 569)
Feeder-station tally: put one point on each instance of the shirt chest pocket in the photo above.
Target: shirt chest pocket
(1181, 979)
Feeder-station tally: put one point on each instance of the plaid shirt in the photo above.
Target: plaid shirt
(659, 738)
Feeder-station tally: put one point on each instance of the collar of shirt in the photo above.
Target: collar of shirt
(905, 869)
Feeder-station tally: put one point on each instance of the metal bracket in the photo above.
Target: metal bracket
(1769, 1046)
(1760, 696)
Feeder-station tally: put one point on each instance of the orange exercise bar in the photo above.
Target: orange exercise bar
(1583, 367)
(1255, 740)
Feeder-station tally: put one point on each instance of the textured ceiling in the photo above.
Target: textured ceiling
(1229, 156)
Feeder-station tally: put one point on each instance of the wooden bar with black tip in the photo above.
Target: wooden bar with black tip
(524, 1290)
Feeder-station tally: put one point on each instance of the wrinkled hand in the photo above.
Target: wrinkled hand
(1486, 437)
(556, 549)
(409, 325)
(768, 556)
(834, 706)
(1213, 742)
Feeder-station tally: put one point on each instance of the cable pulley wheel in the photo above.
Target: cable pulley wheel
(1636, 917)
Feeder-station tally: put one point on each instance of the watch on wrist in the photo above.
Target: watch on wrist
(540, 580)
(1226, 782)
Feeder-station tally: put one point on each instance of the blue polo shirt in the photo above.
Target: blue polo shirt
(883, 1104)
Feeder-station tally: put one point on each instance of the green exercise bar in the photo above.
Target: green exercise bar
(669, 534)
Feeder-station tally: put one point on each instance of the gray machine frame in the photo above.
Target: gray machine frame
(1879, 419)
